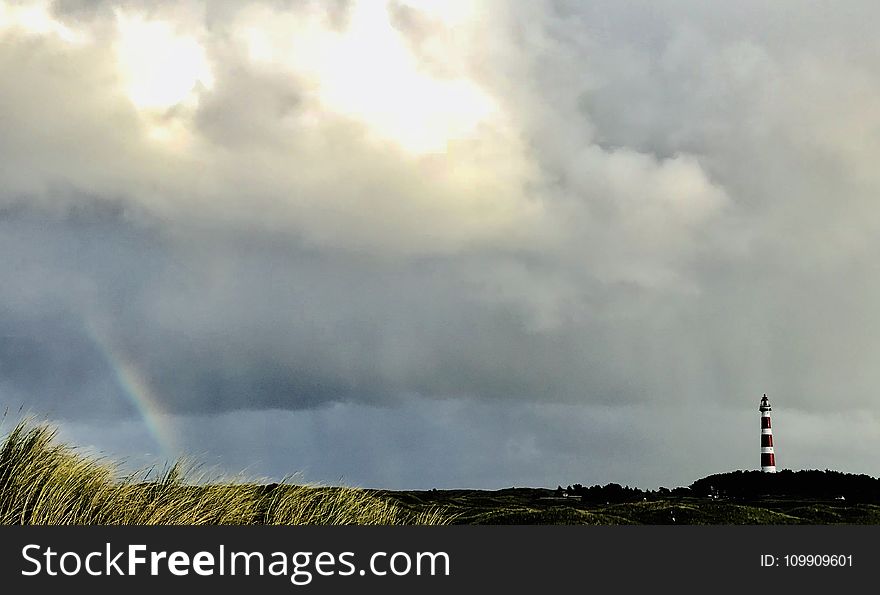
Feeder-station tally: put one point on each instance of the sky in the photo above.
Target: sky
(415, 244)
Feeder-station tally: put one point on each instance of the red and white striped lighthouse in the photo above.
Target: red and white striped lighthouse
(768, 457)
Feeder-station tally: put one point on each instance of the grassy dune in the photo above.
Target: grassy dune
(43, 482)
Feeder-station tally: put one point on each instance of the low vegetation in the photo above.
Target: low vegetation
(43, 482)
(538, 506)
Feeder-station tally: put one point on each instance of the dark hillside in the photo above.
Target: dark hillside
(823, 485)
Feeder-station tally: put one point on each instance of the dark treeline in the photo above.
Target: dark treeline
(614, 492)
(797, 484)
(812, 484)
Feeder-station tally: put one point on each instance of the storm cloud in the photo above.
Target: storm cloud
(377, 240)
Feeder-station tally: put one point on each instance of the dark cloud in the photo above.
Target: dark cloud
(668, 210)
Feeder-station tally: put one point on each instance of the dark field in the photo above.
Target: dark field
(543, 507)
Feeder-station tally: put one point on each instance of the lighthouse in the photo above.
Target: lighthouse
(768, 457)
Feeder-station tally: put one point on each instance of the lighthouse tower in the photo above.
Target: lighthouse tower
(768, 457)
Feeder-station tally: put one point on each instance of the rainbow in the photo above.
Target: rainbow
(136, 388)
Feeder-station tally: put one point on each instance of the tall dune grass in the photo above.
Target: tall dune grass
(43, 482)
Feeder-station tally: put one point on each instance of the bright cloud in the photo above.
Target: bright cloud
(161, 68)
(367, 72)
